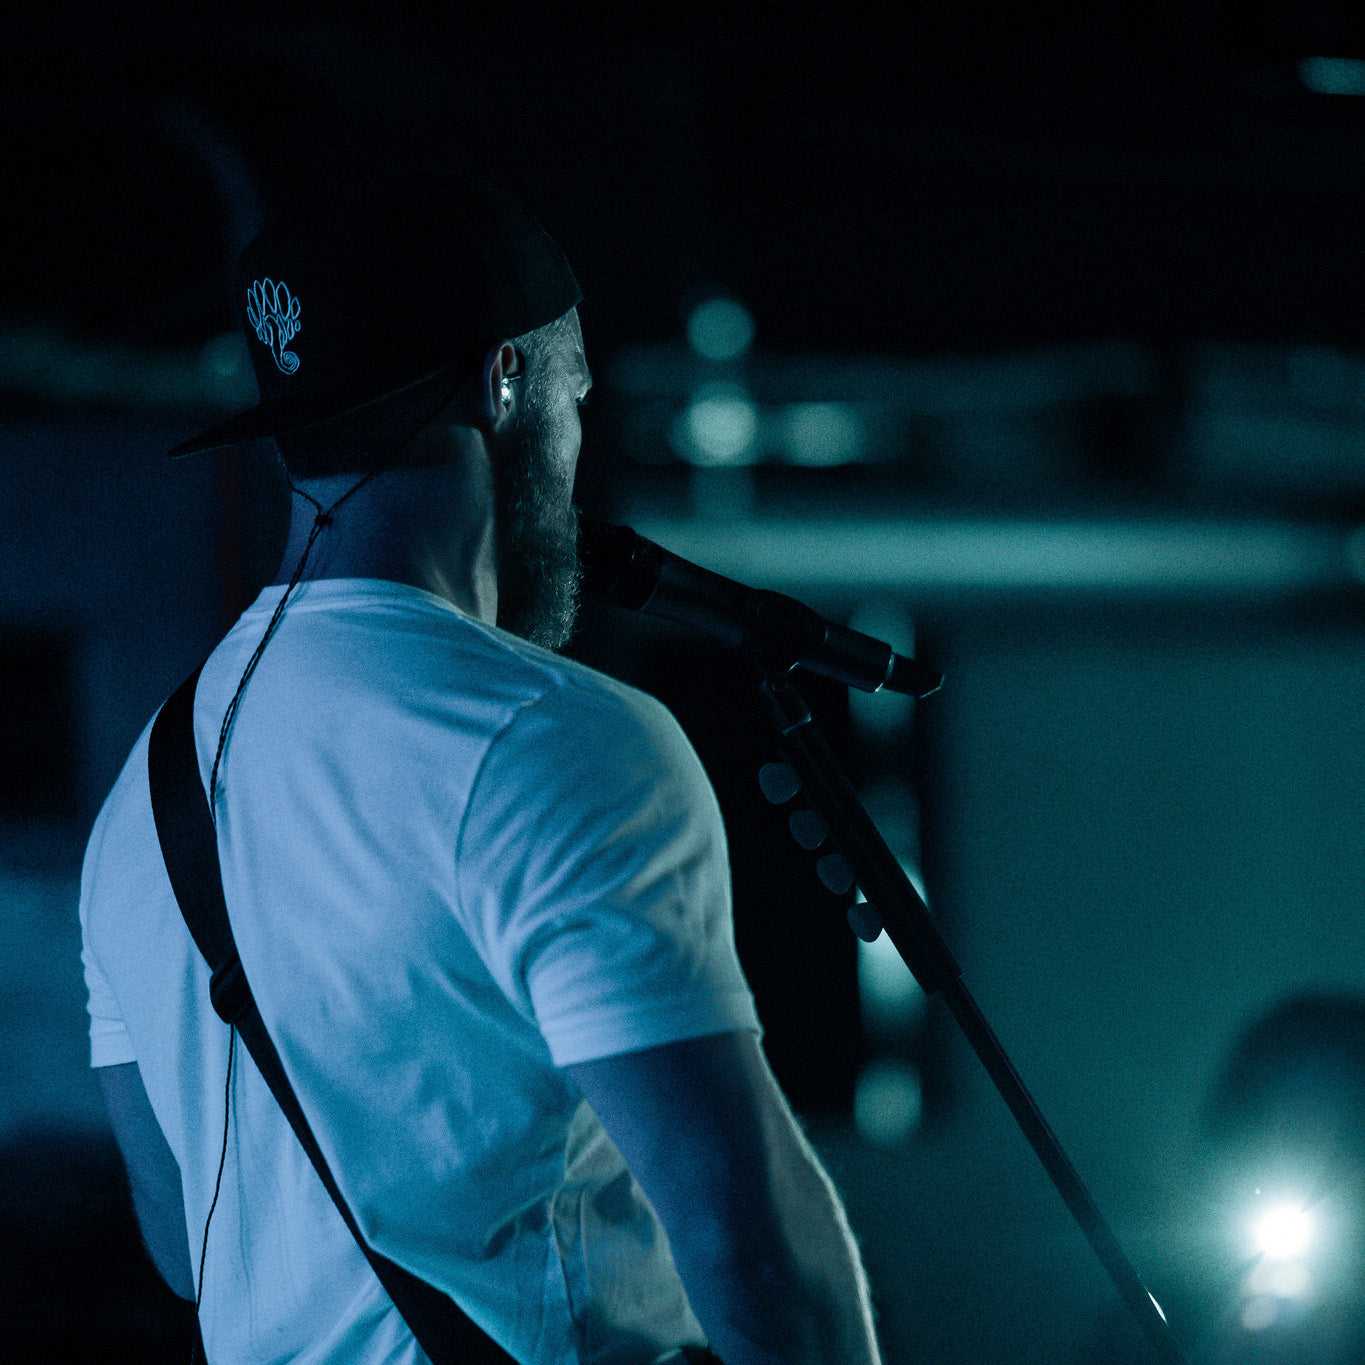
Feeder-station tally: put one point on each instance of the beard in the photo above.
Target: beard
(537, 536)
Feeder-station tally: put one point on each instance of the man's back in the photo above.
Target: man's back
(455, 863)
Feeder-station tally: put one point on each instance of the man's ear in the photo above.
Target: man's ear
(498, 389)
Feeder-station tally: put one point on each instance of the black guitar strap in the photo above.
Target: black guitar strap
(189, 844)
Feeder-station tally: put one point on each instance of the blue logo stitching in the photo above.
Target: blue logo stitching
(274, 312)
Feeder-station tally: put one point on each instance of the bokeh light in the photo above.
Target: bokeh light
(718, 427)
(888, 1102)
(821, 434)
(720, 329)
(1333, 75)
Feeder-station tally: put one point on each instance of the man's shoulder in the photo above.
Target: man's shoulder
(542, 711)
(565, 691)
(482, 662)
(373, 630)
(387, 658)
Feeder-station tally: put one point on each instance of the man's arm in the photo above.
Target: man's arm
(152, 1173)
(756, 1228)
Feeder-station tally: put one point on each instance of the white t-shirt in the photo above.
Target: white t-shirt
(454, 862)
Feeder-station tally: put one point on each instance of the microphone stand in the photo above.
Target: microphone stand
(894, 905)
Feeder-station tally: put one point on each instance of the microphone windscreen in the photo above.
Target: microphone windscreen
(619, 567)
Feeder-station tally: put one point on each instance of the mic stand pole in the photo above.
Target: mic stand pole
(893, 901)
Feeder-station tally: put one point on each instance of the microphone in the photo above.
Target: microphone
(626, 570)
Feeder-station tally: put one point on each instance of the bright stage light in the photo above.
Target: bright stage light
(1284, 1232)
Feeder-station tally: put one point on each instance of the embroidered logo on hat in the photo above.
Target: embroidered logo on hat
(274, 312)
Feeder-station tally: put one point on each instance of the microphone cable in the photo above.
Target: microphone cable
(217, 1186)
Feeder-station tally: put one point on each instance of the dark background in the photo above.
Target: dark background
(956, 176)
(1137, 810)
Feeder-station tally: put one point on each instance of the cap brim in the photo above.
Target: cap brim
(253, 425)
(283, 417)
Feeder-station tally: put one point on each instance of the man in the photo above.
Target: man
(480, 892)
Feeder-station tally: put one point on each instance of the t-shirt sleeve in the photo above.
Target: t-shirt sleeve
(110, 1044)
(593, 875)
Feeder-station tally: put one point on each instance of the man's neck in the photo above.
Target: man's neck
(430, 528)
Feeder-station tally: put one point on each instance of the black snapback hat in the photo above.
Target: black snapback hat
(375, 284)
